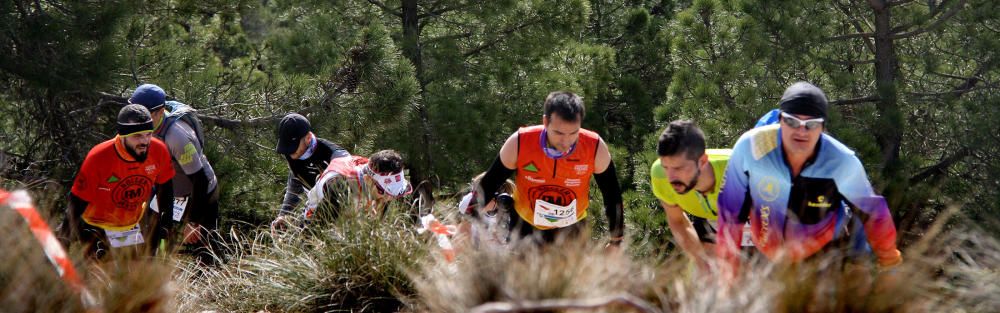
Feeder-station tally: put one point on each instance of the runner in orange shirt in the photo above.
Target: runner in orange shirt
(111, 193)
(553, 164)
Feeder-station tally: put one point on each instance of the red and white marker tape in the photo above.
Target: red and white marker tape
(20, 201)
(441, 232)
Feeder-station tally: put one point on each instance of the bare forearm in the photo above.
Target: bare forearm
(683, 232)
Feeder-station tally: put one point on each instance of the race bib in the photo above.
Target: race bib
(180, 203)
(553, 215)
(130, 237)
(746, 242)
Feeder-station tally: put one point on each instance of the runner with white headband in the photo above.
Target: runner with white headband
(369, 182)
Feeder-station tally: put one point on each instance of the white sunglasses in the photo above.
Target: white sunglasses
(796, 123)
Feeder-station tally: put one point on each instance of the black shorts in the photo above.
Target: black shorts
(706, 232)
(521, 229)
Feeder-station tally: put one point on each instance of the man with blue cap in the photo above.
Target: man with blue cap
(196, 194)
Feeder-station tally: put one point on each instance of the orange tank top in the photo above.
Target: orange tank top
(553, 193)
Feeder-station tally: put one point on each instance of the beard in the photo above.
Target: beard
(690, 185)
(141, 157)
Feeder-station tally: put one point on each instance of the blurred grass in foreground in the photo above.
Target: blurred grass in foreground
(363, 264)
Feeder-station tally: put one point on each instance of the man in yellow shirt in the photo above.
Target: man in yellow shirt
(686, 178)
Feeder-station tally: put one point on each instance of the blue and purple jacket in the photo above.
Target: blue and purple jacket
(793, 218)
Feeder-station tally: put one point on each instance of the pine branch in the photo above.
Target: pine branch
(448, 37)
(898, 3)
(231, 124)
(971, 84)
(446, 10)
(566, 304)
(856, 100)
(937, 23)
(850, 36)
(942, 166)
(956, 92)
(839, 62)
(857, 27)
(385, 8)
(949, 76)
(501, 38)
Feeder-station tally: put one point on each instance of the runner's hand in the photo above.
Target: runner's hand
(614, 245)
(279, 224)
(162, 233)
(191, 233)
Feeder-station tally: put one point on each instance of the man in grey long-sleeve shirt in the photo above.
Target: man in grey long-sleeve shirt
(196, 192)
(307, 156)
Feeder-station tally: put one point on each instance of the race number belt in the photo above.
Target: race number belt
(554, 215)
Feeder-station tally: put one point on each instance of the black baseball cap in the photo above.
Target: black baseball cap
(805, 99)
(291, 129)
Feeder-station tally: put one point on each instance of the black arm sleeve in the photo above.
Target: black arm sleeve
(608, 183)
(494, 178)
(199, 190)
(69, 231)
(165, 223)
(292, 191)
(165, 201)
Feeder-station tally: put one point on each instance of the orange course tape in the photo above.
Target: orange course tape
(20, 201)
(441, 232)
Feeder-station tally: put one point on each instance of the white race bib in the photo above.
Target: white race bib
(154, 205)
(180, 203)
(130, 237)
(552, 215)
(746, 242)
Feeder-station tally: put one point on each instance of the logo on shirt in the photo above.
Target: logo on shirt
(557, 195)
(150, 168)
(188, 156)
(113, 179)
(768, 188)
(130, 193)
(572, 182)
(765, 225)
(534, 179)
(580, 169)
(821, 202)
(530, 167)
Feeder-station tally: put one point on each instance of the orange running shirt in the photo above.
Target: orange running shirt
(550, 190)
(116, 186)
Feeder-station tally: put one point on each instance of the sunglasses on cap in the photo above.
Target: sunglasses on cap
(796, 123)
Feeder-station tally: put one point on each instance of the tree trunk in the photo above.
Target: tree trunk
(890, 122)
(411, 50)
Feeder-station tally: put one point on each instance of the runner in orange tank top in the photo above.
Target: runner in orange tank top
(111, 193)
(553, 164)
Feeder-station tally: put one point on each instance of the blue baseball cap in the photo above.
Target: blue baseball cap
(150, 96)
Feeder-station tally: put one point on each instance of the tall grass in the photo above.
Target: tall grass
(951, 272)
(355, 263)
(360, 263)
